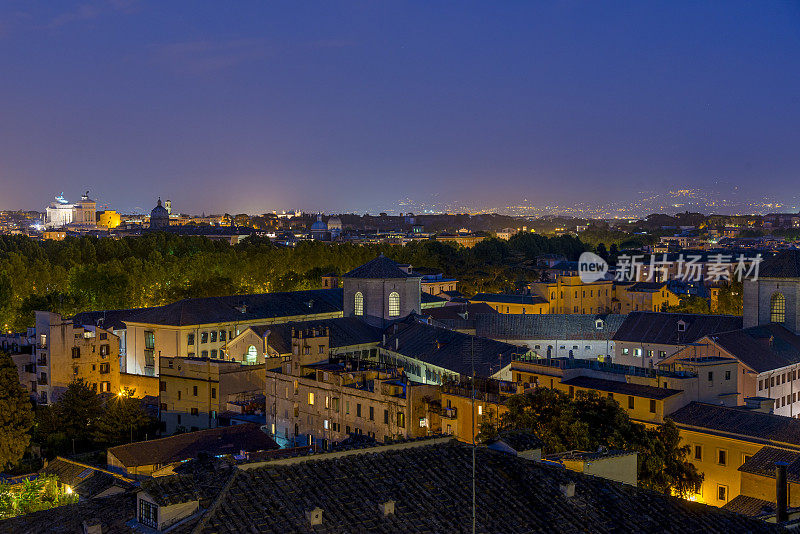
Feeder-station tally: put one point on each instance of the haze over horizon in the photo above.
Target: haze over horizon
(338, 107)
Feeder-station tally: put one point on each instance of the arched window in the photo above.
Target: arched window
(777, 308)
(359, 303)
(252, 354)
(394, 304)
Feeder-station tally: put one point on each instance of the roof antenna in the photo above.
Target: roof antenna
(472, 363)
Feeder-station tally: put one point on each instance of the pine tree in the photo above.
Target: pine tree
(16, 416)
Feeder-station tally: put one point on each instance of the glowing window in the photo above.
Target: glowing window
(777, 308)
(359, 303)
(252, 354)
(394, 304)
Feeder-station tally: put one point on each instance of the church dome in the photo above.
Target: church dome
(334, 223)
(319, 225)
(159, 217)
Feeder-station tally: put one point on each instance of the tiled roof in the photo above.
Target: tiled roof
(111, 512)
(662, 328)
(450, 350)
(786, 264)
(241, 308)
(750, 506)
(513, 495)
(380, 267)
(645, 287)
(427, 298)
(762, 463)
(548, 326)
(458, 316)
(508, 299)
(623, 388)
(758, 427)
(344, 331)
(108, 319)
(587, 455)
(521, 440)
(87, 481)
(222, 440)
(762, 348)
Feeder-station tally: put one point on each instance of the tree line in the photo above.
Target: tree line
(87, 273)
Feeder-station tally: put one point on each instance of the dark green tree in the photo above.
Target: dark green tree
(591, 421)
(123, 420)
(16, 416)
(77, 410)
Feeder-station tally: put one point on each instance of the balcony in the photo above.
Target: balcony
(449, 413)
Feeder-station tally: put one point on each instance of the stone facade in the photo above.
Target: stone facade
(376, 294)
(758, 299)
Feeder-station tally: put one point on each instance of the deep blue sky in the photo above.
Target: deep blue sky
(252, 106)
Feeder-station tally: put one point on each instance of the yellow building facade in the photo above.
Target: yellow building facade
(569, 294)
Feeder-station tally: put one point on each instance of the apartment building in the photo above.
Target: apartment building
(194, 391)
(66, 351)
(569, 294)
(313, 398)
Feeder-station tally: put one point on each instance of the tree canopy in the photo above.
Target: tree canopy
(88, 273)
(588, 422)
(16, 416)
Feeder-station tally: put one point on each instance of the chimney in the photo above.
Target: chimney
(759, 404)
(386, 508)
(314, 516)
(568, 489)
(396, 344)
(781, 493)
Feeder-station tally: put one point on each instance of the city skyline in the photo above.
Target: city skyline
(266, 108)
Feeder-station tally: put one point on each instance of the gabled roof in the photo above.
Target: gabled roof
(427, 298)
(763, 462)
(344, 332)
(758, 427)
(86, 480)
(662, 328)
(222, 440)
(750, 506)
(785, 264)
(558, 326)
(762, 348)
(243, 308)
(380, 267)
(449, 349)
(622, 388)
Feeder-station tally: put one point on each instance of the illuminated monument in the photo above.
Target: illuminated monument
(79, 216)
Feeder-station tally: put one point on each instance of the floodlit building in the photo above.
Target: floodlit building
(78, 216)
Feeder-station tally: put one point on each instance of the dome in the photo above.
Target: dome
(334, 223)
(159, 211)
(159, 217)
(319, 225)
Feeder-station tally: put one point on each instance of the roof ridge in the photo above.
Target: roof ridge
(209, 430)
(80, 464)
(217, 501)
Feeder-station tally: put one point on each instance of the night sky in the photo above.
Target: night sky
(339, 106)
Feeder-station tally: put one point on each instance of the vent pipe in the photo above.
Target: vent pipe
(781, 493)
